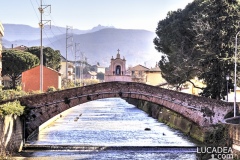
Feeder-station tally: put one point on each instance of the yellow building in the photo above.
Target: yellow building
(150, 76)
(1, 35)
(154, 76)
(190, 89)
(193, 89)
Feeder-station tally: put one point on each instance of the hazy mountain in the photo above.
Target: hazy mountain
(16, 32)
(135, 45)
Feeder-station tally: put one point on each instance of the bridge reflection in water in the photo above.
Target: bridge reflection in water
(110, 129)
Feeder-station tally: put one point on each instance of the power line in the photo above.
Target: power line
(54, 35)
(34, 9)
(56, 25)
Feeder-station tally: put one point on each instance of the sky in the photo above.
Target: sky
(86, 14)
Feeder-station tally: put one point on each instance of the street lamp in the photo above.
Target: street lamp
(227, 78)
(235, 74)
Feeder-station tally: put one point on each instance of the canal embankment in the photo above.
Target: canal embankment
(223, 134)
(219, 135)
(11, 134)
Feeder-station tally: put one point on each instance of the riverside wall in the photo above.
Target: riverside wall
(234, 133)
(175, 120)
(11, 132)
(223, 134)
(219, 135)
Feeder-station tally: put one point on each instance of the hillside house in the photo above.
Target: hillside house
(21, 47)
(90, 75)
(99, 69)
(1, 35)
(31, 79)
(117, 70)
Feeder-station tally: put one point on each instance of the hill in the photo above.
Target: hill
(16, 32)
(100, 44)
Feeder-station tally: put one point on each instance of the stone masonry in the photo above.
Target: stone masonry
(200, 110)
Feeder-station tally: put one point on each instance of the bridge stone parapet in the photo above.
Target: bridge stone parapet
(200, 110)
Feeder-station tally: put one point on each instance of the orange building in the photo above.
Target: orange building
(31, 79)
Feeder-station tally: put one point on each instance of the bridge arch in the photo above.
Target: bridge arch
(200, 110)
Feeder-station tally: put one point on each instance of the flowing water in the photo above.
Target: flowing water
(111, 129)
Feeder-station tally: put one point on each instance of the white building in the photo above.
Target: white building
(231, 96)
(70, 75)
(100, 69)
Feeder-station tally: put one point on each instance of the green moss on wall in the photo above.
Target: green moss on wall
(207, 135)
(176, 121)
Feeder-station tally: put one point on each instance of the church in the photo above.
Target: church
(117, 70)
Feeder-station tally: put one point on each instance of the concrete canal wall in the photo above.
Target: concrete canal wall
(171, 118)
(223, 134)
(12, 135)
(11, 132)
(234, 133)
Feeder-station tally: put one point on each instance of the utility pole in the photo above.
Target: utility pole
(68, 44)
(82, 65)
(41, 24)
(76, 50)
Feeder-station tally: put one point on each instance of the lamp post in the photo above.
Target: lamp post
(235, 74)
(227, 78)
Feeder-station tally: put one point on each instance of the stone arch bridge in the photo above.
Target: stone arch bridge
(199, 110)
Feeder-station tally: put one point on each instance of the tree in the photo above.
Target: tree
(15, 62)
(51, 58)
(175, 39)
(216, 27)
(199, 41)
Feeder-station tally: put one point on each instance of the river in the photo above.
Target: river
(109, 129)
